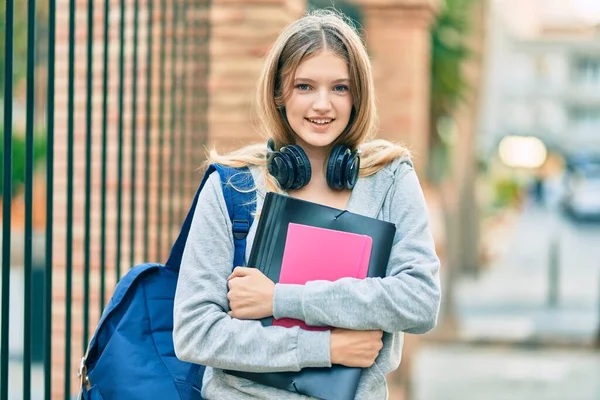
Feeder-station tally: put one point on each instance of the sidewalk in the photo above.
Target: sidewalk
(459, 372)
(510, 300)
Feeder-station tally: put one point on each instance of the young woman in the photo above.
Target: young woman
(316, 91)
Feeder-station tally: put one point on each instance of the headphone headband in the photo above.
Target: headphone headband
(291, 166)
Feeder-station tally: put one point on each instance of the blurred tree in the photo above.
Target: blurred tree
(457, 40)
(352, 11)
(18, 158)
(449, 83)
(19, 42)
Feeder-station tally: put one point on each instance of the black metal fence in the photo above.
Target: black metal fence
(156, 89)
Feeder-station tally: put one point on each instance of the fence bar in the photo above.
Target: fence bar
(120, 159)
(206, 70)
(136, 12)
(148, 127)
(49, 202)
(29, 138)
(69, 236)
(174, 48)
(104, 156)
(182, 117)
(202, 66)
(161, 126)
(6, 195)
(88, 175)
(196, 69)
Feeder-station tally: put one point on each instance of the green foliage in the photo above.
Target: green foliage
(449, 51)
(18, 158)
(19, 42)
(351, 11)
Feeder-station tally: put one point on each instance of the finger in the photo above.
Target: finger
(239, 272)
(231, 283)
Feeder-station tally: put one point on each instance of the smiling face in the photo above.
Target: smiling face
(319, 105)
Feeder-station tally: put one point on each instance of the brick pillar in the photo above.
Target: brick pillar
(191, 39)
(242, 33)
(397, 33)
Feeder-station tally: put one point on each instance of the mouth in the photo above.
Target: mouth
(320, 121)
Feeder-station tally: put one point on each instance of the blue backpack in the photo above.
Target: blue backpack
(131, 355)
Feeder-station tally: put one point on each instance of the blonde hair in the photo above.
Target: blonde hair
(316, 32)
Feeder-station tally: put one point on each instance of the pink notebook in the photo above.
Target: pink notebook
(313, 253)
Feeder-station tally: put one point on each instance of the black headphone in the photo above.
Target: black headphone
(291, 166)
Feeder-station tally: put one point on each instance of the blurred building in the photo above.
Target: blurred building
(543, 74)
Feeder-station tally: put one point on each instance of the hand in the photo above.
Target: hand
(355, 348)
(250, 294)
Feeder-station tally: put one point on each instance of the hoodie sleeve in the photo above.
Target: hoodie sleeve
(406, 300)
(203, 332)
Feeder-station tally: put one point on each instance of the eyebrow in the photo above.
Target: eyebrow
(341, 80)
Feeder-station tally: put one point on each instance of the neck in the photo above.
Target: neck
(317, 157)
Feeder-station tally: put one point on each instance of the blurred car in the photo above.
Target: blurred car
(581, 198)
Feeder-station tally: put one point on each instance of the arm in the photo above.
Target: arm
(407, 299)
(203, 333)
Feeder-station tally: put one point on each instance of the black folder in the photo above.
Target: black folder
(338, 382)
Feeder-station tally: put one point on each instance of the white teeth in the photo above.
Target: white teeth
(320, 121)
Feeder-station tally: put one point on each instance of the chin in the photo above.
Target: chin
(313, 140)
(318, 139)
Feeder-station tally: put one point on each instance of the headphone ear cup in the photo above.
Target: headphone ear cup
(281, 168)
(300, 164)
(351, 170)
(280, 165)
(336, 167)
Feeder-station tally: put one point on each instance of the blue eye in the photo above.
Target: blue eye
(303, 86)
(340, 88)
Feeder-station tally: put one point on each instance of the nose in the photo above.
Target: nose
(322, 101)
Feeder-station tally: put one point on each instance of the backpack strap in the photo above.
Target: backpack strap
(174, 260)
(240, 196)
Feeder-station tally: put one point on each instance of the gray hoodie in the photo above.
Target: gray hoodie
(406, 300)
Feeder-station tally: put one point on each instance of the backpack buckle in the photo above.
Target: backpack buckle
(240, 229)
(82, 375)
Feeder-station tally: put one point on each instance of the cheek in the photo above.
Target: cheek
(345, 108)
(296, 105)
